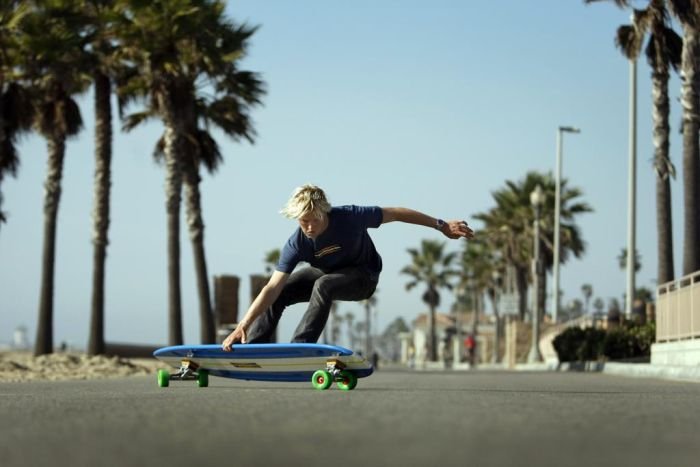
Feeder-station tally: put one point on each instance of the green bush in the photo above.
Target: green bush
(567, 343)
(592, 345)
(624, 342)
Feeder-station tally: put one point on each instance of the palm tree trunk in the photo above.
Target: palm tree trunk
(103, 182)
(492, 293)
(173, 190)
(195, 223)
(690, 93)
(52, 196)
(521, 285)
(662, 163)
(368, 331)
(2, 141)
(433, 335)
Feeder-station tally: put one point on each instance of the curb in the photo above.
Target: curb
(648, 370)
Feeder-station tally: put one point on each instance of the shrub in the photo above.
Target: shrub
(627, 341)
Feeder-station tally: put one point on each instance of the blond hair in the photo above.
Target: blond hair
(307, 198)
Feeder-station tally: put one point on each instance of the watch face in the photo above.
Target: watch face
(440, 223)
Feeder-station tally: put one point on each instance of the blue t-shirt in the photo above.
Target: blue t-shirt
(345, 242)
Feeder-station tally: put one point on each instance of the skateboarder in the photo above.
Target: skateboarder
(344, 265)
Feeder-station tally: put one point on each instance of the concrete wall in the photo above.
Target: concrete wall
(681, 353)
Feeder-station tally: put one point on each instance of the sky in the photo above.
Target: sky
(429, 105)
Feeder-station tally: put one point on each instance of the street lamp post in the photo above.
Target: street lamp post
(461, 294)
(536, 199)
(631, 213)
(557, 219)
(496, 276)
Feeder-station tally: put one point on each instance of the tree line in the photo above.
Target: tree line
(501, 251)
(177, 61)
(651, 32)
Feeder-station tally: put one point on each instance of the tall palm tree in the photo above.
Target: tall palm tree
(430, 266)
(587, 291)
(509, 228)
(14, 119)
(237, 91)
(172, 45)
(101, 20)
(51, 46)
(506, 232)
(663, 52)
(229, 113)
(368, 305)
(479, 263)
(688, 13)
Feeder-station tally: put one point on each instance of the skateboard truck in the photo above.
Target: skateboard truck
(335, 371)
(334, 367)
(188, 371)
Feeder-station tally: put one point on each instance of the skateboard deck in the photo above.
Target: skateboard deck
(319, 363)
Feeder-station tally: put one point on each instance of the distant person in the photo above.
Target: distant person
(470, 344)
(375, 360)
(344, 265)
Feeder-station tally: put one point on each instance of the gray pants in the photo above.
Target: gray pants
(320, 290)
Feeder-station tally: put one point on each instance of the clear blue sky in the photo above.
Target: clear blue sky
(428, 105)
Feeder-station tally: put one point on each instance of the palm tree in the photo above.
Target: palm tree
(228, 113)
(175, 46)
(663, 52)
(151, 36)
(688, 13)
(102, 52)
(480, 264)
(508, 227)
(14, 100)
(154, 38)
(587, 291)
(369, 304)
(622, 260)
(430, 266)
(506, 232)
(598, 305)
(51, 49)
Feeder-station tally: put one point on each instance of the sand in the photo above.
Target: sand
(23, 366)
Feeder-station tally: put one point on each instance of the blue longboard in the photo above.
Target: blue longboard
(321, 364)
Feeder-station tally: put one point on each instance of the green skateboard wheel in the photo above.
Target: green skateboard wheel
(203, 379)
(321, 380)
(347, 381)
(163, 378)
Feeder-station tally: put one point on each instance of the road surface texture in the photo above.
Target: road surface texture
(393, 418)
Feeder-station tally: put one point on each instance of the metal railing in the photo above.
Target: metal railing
(678, 309)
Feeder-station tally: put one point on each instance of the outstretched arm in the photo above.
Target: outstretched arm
(451, 229)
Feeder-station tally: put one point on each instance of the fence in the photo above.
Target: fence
(678, 309)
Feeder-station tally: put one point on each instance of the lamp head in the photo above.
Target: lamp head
(537, 196)
(570, 129)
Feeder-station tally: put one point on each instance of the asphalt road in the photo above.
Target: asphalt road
(392, 418)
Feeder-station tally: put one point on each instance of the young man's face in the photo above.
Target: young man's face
(311, 225)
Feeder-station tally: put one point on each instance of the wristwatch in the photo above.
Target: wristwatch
(439, 224)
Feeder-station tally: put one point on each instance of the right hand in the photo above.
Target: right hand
(238, 335)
